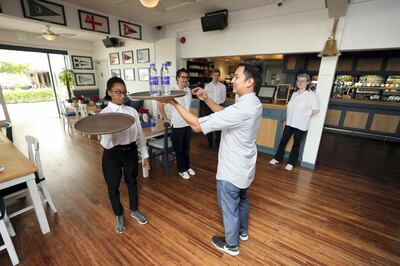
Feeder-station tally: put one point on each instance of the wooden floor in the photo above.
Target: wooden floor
(347, 212)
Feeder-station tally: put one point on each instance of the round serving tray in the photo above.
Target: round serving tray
(145, 95)
(103, 124)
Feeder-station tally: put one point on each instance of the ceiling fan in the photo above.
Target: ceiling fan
(51, 36)
(158, 5)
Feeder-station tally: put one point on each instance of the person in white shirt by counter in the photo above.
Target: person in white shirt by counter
(302, 106)
(181, 133)
(121, 153)
(217, 92)
(237, 154)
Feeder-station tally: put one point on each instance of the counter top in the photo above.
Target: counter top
(381, 103)
(277, 106)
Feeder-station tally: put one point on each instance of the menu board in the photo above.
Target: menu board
(282, 92)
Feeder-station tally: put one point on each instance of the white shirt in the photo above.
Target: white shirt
(299, 109)
(217, 92)
(134, 133)
(186, 101)
(237, 154)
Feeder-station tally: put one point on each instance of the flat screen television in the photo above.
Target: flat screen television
(266, 93)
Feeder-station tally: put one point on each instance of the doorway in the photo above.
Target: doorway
(30, 83)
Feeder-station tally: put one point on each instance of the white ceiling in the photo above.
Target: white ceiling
(17, 24)
(175, 10)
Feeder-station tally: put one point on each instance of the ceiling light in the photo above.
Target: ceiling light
(49, 37)
(149, 3)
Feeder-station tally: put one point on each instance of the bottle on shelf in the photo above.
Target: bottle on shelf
(165, 80)
(153, 80)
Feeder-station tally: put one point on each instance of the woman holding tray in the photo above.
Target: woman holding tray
(121, 155)
(181, 132)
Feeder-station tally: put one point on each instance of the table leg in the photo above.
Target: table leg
(37, 203)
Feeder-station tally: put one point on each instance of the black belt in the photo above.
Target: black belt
(126, 147)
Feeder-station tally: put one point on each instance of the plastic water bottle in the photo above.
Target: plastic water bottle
(153, 79)
(164, 74)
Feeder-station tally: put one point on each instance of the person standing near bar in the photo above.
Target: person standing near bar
(217, 92)
(120, 155)
(302, 106)
(237, 154)
(181, 132)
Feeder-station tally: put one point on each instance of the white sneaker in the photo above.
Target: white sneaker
(273, 162)
(185, 175)
(289, 167)
(191, 171)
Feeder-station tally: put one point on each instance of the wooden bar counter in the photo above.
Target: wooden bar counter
(375, 119)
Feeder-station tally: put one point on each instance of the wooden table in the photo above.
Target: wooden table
(152, 132)
(19, 169)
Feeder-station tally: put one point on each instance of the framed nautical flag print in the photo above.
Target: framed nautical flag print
(93, 22)
(130, 30)
(127, 57)
(84, 79)
(82, 62)
(44, 11)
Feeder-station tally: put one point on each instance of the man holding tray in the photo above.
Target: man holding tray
(237, 153)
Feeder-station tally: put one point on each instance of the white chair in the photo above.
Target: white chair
(21, 190)
(68, 116)
(8, 244)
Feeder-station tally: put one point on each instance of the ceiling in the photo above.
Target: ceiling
(175, 10)
(32, 26)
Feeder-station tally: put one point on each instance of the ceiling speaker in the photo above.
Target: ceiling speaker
(217, 20)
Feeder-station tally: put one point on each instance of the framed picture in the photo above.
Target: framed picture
(129, 74)
(114, 59)
(84, 79)
(93, 22)
(143, 74)
(116, 73)
(44, 11)
(130, 30)
(82, 62)
(127, 57)
(282, 92)
(143, 55)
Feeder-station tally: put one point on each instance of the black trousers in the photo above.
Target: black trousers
(212, 137)
(180, 138)
(118, 161)
(294, 153)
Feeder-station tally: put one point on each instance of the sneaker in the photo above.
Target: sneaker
(273, 162)
(191, 171)
(289, 167)
(185, 175)
(244, 236)
(219, 243)
(120, 224)
(139, 217)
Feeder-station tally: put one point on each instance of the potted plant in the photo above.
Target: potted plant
(67, 78)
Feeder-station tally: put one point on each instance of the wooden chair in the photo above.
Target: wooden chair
(8, 244)
(21, 190)
(164, 147)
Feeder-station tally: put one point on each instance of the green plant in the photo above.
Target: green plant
(28, 96)
(67, 78)
(6, 67)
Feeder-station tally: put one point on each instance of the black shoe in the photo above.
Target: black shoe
(219, 243)
(244, 236)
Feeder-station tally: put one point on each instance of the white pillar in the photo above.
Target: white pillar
(326, 77)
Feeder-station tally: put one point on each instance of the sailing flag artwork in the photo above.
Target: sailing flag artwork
(130, 30)
(93, 22)
(44, 11)
(82, 62)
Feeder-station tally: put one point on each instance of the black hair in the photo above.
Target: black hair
(252, 69)
(110, 84)
(180, 71)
